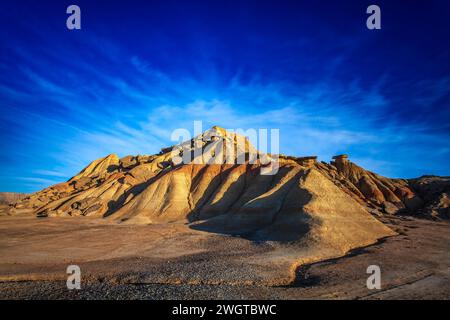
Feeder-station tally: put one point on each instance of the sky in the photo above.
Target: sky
(137, 70)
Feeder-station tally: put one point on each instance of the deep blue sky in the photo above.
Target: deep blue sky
(139, 69)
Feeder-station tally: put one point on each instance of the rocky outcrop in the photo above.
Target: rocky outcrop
(389, 196)
(99, 167)
(435, 192)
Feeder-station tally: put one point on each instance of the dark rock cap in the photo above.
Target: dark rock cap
(341, 156)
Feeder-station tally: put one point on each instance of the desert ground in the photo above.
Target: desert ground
(174, 261)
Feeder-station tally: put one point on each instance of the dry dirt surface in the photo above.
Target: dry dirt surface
(173, 261)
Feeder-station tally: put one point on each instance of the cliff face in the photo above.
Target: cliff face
(235, 197)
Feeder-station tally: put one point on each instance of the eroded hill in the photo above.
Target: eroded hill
(307, 211)
(152, 188)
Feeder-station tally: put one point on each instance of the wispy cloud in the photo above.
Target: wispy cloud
(51, 173)
(38, 180)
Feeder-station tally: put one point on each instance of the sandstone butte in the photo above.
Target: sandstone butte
(319, 209)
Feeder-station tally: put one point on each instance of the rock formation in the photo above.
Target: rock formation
(435, 192)
(305, 198)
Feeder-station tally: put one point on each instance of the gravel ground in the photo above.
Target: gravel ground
(414, 265)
